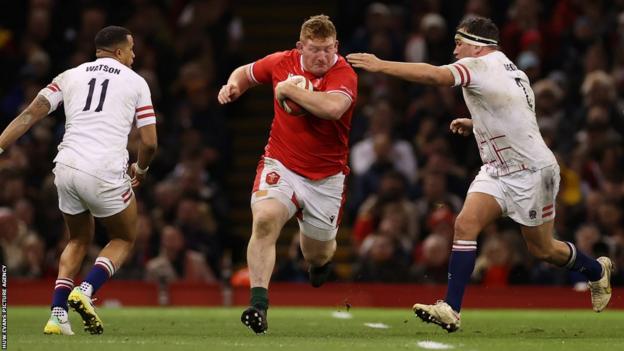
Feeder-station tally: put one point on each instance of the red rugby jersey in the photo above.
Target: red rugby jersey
(310, 146)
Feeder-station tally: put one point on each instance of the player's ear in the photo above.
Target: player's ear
(299, 46)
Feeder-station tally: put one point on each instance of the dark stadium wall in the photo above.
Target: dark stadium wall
(340, 296)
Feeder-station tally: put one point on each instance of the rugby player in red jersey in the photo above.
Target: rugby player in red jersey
(303, 169)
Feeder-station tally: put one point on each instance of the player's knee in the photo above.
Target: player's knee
(128, 238)
(264, 225)
(81, 241)
(130, 242)
(125, 243)
(466, 228)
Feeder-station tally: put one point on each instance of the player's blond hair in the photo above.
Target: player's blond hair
(317, 27)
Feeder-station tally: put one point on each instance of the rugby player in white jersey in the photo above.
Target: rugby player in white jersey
(102, 100)
(519, 177)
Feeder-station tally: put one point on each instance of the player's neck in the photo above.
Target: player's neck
(103, 54)
(106, 56)
(485, 51)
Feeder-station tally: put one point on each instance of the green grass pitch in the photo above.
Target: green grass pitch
(316, 329)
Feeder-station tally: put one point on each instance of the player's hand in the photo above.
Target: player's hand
(282, 87)
(368, 62)
(136, 178)
(228, 93)
(461, 126)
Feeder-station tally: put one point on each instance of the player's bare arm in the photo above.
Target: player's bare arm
(237, 85)
(416, 72)
(461, 126)
(330, 106)
(147, 149)
(36, 111)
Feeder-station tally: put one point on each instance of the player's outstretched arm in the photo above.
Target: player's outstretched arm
(237, 85)
(36, 111)
(323, 105)
(147, 149)
(416, 72)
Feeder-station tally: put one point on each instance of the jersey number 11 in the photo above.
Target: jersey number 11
(90, 96)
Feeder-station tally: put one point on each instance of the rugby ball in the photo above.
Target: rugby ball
(291, 107)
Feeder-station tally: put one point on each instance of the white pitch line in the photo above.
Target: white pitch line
(434, 345)
(377, 325)
(342, 315)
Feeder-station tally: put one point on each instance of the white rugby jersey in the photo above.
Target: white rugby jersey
(102, 99)
(502, 106)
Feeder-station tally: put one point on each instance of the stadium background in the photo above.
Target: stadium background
(409, 174)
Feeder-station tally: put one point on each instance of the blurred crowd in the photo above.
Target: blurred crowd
(409, 174)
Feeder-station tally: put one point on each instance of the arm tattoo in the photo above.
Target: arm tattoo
(41, 103)
(37, 110)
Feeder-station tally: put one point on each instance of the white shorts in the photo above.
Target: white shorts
(527, 197)
(79, 191)
(317, 203)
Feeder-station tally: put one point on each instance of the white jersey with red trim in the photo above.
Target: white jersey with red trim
(502, 106)
(102, 100)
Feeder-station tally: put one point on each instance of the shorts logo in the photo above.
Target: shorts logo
(331, 218)
(272, 178)
(532, 214)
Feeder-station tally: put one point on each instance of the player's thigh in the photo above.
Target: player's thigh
(269, 216)
(81, 226)
(122, 225)
(111, 201)
(322, 204)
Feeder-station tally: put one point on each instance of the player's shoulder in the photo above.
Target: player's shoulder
(292, 53)
(342, 67)
(283, 55)
(71, 71)
(481, 63)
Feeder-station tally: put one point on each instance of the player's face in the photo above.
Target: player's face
(318, 54)
(125, 53)
(463, 50)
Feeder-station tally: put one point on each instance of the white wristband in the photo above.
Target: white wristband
(138, 169)
(1, 150)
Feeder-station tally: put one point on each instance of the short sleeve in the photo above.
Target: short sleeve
(464, 71)
(53, 92)
(144, 113)
(261, 71)
(342, 81)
